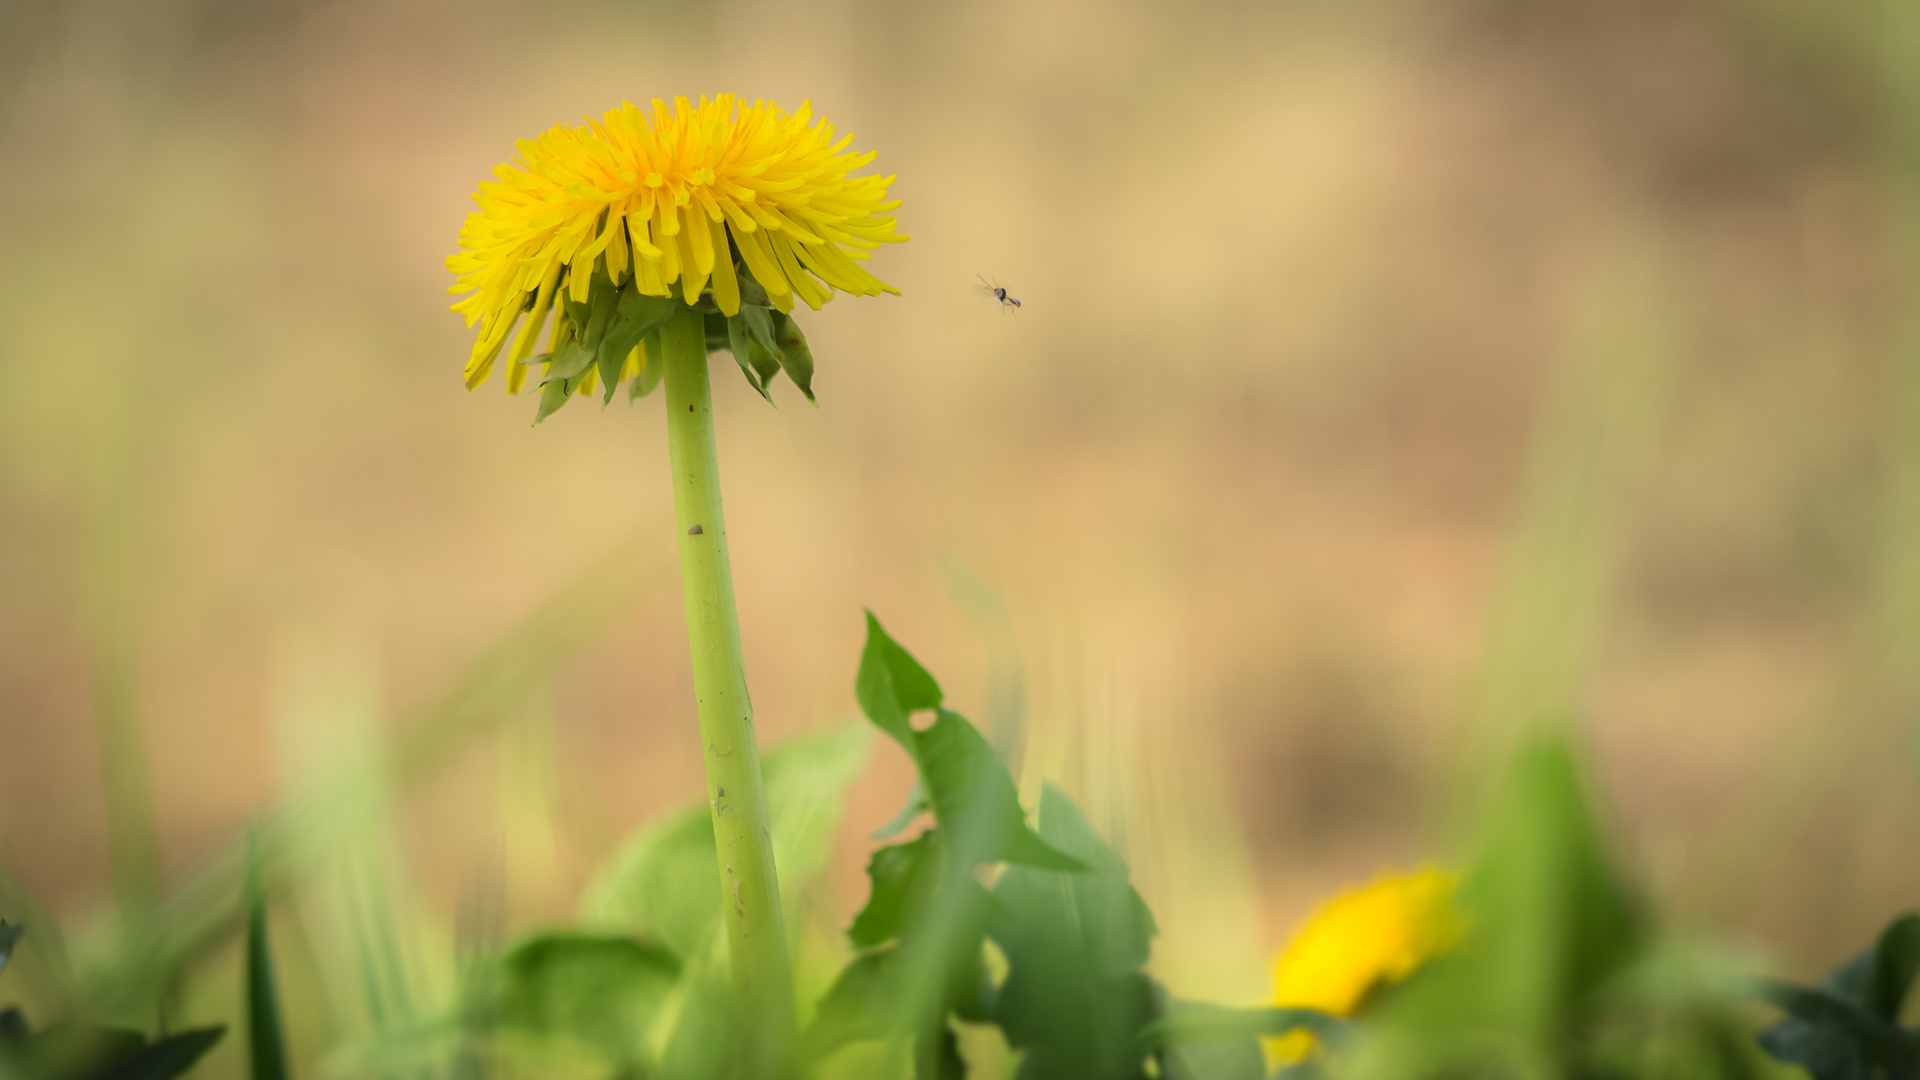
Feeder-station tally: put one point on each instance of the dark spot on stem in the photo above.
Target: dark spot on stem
(695, 531)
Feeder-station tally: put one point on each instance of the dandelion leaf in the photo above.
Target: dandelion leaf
(903, 877)
(660, 882)
(599, 990)
(974, 800)
(1074, 998)
(892, 685)
(915, 805)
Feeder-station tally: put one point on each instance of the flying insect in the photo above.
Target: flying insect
(1000, 296)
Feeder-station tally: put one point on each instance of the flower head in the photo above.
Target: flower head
(1362, 939)
(720, 205)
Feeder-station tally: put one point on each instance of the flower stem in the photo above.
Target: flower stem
(750, 890)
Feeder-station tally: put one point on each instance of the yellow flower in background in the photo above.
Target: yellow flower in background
(668, 198)
(1362, 939)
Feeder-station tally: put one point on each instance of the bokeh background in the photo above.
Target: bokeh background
(1391, 374)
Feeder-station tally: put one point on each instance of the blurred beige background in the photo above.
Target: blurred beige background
(1367, 349)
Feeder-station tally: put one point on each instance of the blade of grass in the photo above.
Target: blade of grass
(266, 1046)
(1593, 441)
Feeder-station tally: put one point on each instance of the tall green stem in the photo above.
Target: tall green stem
(750, 891)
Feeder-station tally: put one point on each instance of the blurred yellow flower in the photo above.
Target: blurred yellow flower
(1364, 938)
(669, 197)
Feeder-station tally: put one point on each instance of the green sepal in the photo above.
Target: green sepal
(763, 349)
(752, 293)
(759, 320)
(718, 339)
(610, 365)
(554, 393)
(569, 361)
(651, 366)
(740, 344)
(636, 316)
(795, 356)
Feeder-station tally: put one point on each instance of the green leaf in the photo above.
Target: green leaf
(168, 1057)
(1833, 1038)
(974, 799)
(795, 355)
(704, 1038)
(266, 1044)
(599, 990)
(806, 781)
(9, 936)
(862, 1004)
(892, 684)
(903, 877)
(915, 805)
(740, 345)
(1094, 920)
(936, 1055)
(663, 879)
(1208, 1042)
(1191, 1022)
(1074, 998)
(1878, 979)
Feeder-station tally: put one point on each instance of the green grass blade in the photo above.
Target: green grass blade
(266, 1044)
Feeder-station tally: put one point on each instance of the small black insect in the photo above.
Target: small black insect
(1000, 296)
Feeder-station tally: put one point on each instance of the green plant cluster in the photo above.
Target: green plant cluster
(1032, 934)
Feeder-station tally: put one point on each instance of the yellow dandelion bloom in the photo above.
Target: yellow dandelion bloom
(1362, 939)
(719, 200)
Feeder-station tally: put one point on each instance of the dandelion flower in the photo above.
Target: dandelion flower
(1360, 940)
(721, 205)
